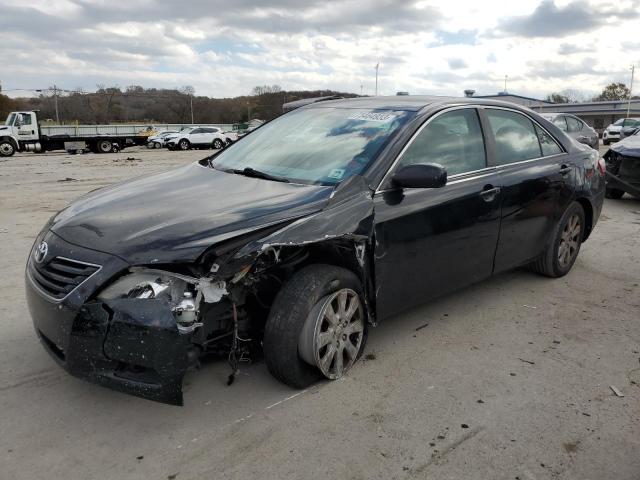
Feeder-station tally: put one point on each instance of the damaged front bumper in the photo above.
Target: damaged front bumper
(129, 345)
(623, 172)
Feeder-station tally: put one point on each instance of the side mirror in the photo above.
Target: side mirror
(421, 175)
(19, 121)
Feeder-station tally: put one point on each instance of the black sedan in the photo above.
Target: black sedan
(294, 241)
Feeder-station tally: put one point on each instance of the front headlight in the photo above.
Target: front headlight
(177, 292)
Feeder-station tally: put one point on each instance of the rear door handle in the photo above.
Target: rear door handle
(489, 192)
(565, 170)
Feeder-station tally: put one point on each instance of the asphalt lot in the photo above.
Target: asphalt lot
(507, 379)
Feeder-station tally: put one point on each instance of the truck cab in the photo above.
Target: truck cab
(20, 132)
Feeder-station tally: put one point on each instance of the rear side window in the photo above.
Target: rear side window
(560, 122)
(453, 140)
(548, 144)
(574, 124)
(515, 137)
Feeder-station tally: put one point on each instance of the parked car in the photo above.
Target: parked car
(623, 167)
(628, 131)
(575, 128)
(197, 137)
(612, 132)
(296, 240)
(158, 141)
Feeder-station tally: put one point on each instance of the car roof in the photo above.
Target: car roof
(409, 102)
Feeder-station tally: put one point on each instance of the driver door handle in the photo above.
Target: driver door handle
(565, 169)
(489, 193)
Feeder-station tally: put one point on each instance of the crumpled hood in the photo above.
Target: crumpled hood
(629, 146)
(175, 216)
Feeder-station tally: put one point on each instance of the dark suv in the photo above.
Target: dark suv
(295, 240)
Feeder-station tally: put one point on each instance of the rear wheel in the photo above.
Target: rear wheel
(561, 253)
(105, 146)
(613, 193)
(316, 327)
(217, 144)
(6, 148)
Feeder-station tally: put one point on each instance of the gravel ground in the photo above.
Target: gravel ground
(507, 379)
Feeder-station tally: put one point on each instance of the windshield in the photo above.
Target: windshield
(322, 146)
(10, 119)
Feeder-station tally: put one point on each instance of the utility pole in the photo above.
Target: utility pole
(191, 100)
(377, 66)
(505, 83)
(361, 86)
(55, 97)
(633, 68)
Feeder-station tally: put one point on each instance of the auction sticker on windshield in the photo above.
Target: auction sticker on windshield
(374, 116)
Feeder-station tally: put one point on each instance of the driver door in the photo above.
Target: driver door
(429, 241)
(26, 127)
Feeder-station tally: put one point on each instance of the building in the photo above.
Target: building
(596, 114)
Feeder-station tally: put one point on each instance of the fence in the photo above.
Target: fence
(91, 130)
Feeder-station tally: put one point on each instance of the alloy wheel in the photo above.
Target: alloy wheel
(338, 332)
(569, 241)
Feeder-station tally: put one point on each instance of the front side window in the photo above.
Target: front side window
(630, 122)
(453, 140)
(575, 125)
(321, 146)
(515, 137)
(196, 130)
(560, 122)
(10, 119)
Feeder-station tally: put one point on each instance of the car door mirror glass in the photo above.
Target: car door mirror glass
(420, 175)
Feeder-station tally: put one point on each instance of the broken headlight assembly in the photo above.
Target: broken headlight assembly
(181, 294)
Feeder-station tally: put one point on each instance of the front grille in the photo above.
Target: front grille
(60, 276)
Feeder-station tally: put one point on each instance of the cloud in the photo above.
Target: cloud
(570, 48)
(549, 20)
(226, 48)
(456, 63)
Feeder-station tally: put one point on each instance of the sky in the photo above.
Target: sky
(225, 49)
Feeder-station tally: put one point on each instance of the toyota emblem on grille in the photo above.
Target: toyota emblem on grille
(41, 252)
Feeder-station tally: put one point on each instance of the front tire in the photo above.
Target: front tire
(7, 148)
(184, 144)
(298, 325)
(561, 253)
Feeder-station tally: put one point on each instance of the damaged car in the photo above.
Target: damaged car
(623, 167)
(296, 240)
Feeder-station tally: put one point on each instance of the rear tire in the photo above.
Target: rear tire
(299, 296)
(105, 146)
(613, 193)
(561, 253)
(217, 144)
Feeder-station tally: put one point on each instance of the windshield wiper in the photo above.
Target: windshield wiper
(252, 172)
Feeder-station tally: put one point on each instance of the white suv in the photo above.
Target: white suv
(612, 132)
(197, 137)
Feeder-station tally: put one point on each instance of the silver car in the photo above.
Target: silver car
(575, 128)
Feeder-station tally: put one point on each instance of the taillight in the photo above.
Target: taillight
(602, 166)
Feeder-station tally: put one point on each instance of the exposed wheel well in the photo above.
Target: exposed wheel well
(588, 216)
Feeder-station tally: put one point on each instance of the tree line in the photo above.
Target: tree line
(613, 91)
(136, 104)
